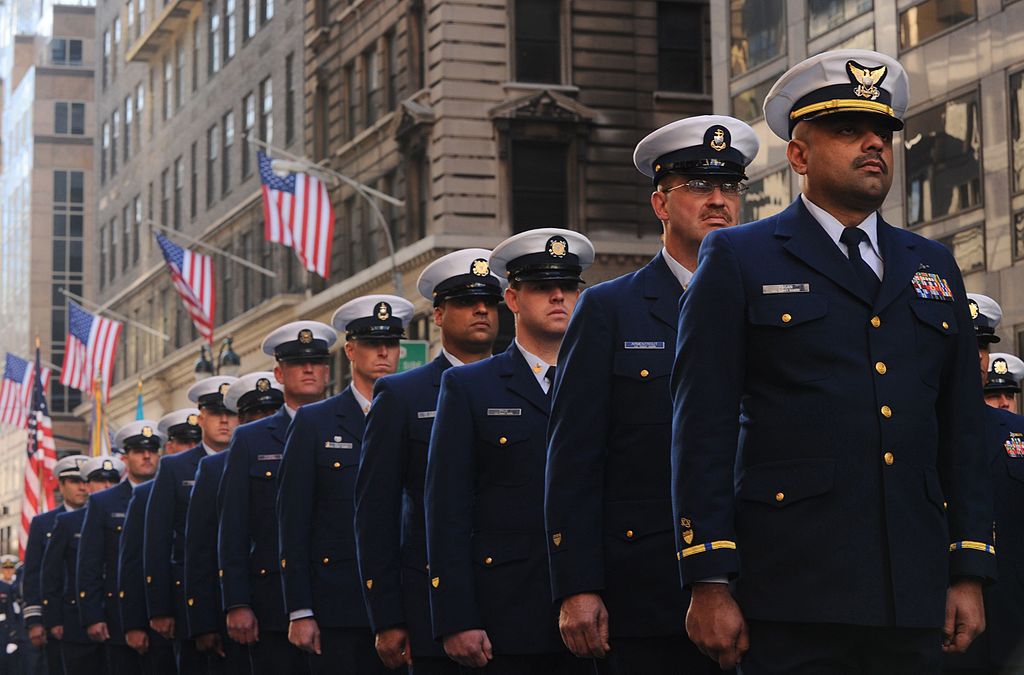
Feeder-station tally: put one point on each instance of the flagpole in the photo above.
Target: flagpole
(362, 189)
(120, 317)
(43, 498)
(219, 251)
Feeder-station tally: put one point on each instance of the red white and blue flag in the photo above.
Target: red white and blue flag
(192, 274)
(16, 390)
(40, 482)
(297, 212)
(89, 353)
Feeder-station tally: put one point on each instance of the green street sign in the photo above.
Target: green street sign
(413, 354)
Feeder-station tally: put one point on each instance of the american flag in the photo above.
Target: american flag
(16, 391)
(192, 274)
(91, 344)
(42, 457)
(297, 212)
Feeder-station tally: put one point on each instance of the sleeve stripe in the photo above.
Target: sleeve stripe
(709, 546)
(972, 546)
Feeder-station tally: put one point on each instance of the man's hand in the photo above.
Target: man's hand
(715, 624)
(138, 640)
(393, 647)
(164, 625)
(98, 632)
(243, 626)
(57, 632)
(209, 643)
(965, 615)
(583, 622)
(305, 634)
(37, 635)
(470, 648)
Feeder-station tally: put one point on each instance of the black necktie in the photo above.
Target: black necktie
(852, 237)
(550, 375)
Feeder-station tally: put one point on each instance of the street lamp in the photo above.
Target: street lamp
(228, 361)
(204, 368)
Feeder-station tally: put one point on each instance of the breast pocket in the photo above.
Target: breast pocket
(263, 481)
(933, 328)
(336, 472)
(507, 457)
(793, 329)
(641, 388)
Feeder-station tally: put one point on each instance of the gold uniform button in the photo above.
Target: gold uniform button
(121, 594)
(629, 534)
(644, 372)
(488, 560)
(269, 474)
(149, 580)
(110, 594)
(875, 322)
(880, 368)
(888, 458)
(177, 583)
(337, 465)
(326, 560)
(502, 441)
(220, 573)
(945, 326)
(787, 317)
(779, 496)
(81, 594)
(886, 411)
(263, 572)
(191, 602)
(46, 602)
(283, 563)
(118, 528)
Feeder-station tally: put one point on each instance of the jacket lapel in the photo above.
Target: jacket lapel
(899, 260)
(278, 425)
(520, 380)
(440, 364)
(350, 415)
(662, 291)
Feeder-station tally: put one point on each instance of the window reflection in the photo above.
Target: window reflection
(1018, 235)
(766, 196)
(1017, 130)
(825, 15)
(943, 162)
(748, 105)
(968, 247)
(758, 30)
(931, 17)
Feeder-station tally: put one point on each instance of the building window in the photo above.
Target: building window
(249, 25)
(67, 269)
(228, 124)
(538, 48)
(931, 17)
(137, 211)
(351, 101)
(289, 99)
(683, 65)
(826, 15)
(1018, 235)
(69, 118)
(126, 224)
(179, 80)
(114, 237)
(759, 33)
(391, 45)
(746, 105)
(862, 40)
(230, 28)
(766, 197)
(266, 10)
(371, 85)
(215, 43)
(64, 52)
(105, 153)
(193, 185)
(267, 111)
(115, 52)
(130, 15)
(247, 285)
(212, 143)
(106, 58)
(104, 252)
(227, 290)
(179, 189)
(140, 105)
(167, 82)
(115, 125)
(321, 109)
(129, 114)
(196, 41)
(539, 185)
(1016, 96)
(942, 160)
(165, 197)
(249, 124)
(968, 247)
(141, 18)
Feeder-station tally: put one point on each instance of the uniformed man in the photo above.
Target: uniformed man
(164, 547)
(390, 535)
(315, 498)
(81, 654)
(183, 432)
(10, 657)
(251, 397)
(99, 604)
(608, 493)
(490, 593)
(22, 658)
(1002, 383)
(847, 347)
(251, 580)
(74, 494)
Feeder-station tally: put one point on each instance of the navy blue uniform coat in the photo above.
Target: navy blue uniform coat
(391, 537)
(97, 559)
(202, 604)
(484, 499)
(797, 495)
(131, 581)
(315, 512)
(248, 542)
(38, 536)
(608, 495)
(60, 591)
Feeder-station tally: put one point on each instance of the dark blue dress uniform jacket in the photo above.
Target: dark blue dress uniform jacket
(608, 497)
(202, 593)
(390, 528)
(131, 580)
(60, 592)
(164, 549)
(1002, 644)
(315, 512)
(38, 536)
(858, 419)
(97, 559)
(484, 500)
(248, 525)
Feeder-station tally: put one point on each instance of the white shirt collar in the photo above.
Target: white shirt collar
(209, 450)
(835, 229)
(451, 358)
(73, 508)
(133, 483)
(363, 402)
(289, 411)
(538, 366)
(681, 274)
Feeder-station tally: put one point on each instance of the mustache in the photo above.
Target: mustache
(864, 159)
(717, 211)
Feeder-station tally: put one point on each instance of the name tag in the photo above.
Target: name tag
(335, 444)
(78, 535)
(188, 483)
(774, 289)
(117, 515)
(504, 412)
(426, 414)
(268, 458)
(645, 345)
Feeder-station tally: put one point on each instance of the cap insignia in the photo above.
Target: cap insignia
(974, 310)
(480, 268)
(262, 384)
(305, 336)
(866, 79)
(223, 388)
(999, 367)
(147, 431)
(557, 247)
(192, 420)
(383, 311)
(718, 142)
(108, 465)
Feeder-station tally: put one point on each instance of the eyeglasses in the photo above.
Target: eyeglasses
(699, 186)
